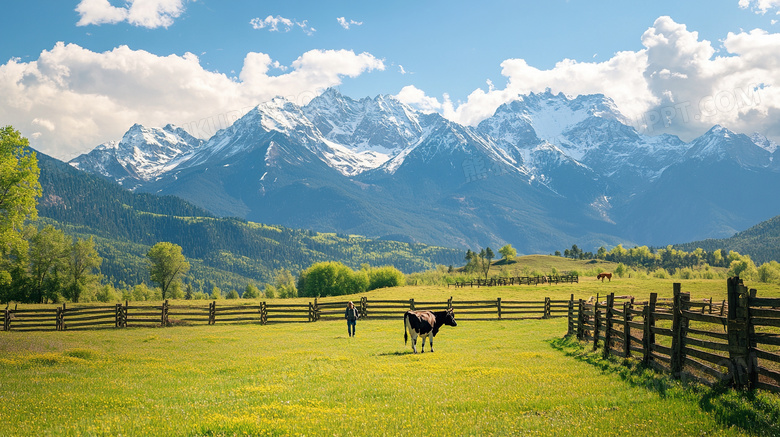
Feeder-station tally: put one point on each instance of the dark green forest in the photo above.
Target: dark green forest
(228, 253)
(761, 242)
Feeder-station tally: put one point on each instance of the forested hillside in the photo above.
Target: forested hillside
(761, 242)
(225, 252)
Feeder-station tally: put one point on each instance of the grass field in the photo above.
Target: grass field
(485, 378)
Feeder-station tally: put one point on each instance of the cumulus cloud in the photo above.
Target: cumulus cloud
(281, 24)
(142, 13)
(71, 99)
(343, 22)
(676, 83)
(760, 6)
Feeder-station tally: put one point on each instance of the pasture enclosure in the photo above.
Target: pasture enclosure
(735, 341)
(73, 317)
(485, 378)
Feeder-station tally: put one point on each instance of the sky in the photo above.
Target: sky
(78, 73)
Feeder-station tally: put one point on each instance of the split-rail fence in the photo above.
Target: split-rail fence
(733, 342)
(72, 317)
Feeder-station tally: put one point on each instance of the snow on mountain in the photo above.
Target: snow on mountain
(764, 142)
(720, 144)
(143, 153)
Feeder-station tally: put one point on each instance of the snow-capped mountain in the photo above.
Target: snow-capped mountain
(543, 171)
(141, 155)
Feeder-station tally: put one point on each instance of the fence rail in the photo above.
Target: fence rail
(125, 315)
(735, 341)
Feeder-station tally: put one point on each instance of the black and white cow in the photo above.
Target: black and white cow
(426, 324)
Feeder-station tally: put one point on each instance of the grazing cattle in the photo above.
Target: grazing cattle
(604, 275)
(426, 324)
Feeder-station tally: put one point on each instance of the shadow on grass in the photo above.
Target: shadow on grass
(756, 412)
(394, 354)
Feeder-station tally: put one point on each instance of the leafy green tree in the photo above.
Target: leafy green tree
(601, 253)
(48, 262)
(769, 272)
(508, 252)
(19, 191)
(472, 262)
(387, 276)
(486, 256)
(82, 261)
(216, 293)
(232, 294)
(285, 284)
(188, 293)
(251, 292)
(269, 291)
(167, 265)
(331, 279)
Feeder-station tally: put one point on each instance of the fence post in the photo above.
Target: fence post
(648, 337)
(580, 320)
(7, 320)
(743, 363)
(212, 312)
(570, 328)
(498, 304)
(626, 330)
(679, 330)
(411, 304)
(596, 323)
(263, 313)
(118, 315)
(364, 306)
(608, 324)
(547, 308)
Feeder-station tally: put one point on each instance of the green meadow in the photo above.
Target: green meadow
(485, 378)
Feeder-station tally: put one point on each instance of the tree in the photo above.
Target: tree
(508, 252)
(251, 292)
(48, 262)
(19, 190)
(167, 265)
(82, 260)
(285, 284)
(486, 256)
(387, 276)
(472, 262)
(232, 294)
(331, 279)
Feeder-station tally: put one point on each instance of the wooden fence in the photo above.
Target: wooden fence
(517, 280)
(72, 317)
(735, 341)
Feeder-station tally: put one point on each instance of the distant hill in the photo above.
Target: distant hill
(225, 252)
(761, 242)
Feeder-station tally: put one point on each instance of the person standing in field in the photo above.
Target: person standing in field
(351, 315)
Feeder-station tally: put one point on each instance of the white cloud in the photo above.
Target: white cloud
(343, 22)
(281, 24)
(760, 6)
(143, 13)
(416, 97)
(675, 84)
(88, 98)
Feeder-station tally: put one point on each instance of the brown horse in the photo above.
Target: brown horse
(604, 275)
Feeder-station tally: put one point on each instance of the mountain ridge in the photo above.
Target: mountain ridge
(377, 167)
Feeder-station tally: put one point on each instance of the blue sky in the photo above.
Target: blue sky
(79, 73)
